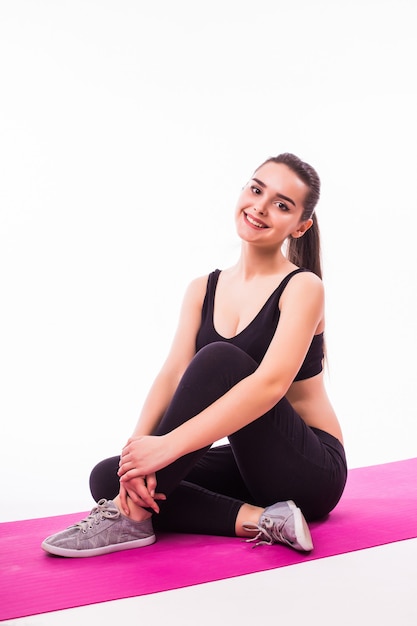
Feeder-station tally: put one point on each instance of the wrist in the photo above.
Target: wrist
(175, 444)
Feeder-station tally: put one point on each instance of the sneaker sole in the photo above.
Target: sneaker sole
(116, 547)
(302, 531)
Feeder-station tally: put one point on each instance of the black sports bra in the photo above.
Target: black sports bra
(256, 337)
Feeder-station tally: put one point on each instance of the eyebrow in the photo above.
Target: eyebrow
(279, 195)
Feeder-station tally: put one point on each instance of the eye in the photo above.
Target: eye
(255, 189)
(281, 206)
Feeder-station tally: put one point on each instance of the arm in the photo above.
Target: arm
(302, 308)
(141, 488)
(180, 355)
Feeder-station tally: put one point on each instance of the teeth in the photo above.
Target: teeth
(254, 222)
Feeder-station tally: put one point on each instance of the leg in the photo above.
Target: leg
(193, 509)
(277, 456)
(207, 501)
(281, 458)
(214, 370)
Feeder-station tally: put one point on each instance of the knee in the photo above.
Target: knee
(104, 481)
(220, 356)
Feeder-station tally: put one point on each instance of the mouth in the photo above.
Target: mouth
(254, 222)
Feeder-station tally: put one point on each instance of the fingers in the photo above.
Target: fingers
(126, 474)
(138, 492)
(123, 500)
(124, 464)
(128, 447)
(135, 498)
(151, 484)
(127, 463)
(140, 488)
(143, 493)
(127, 466)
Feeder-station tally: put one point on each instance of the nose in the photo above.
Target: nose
(260, 208)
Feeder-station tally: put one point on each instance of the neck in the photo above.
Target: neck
(255, 261)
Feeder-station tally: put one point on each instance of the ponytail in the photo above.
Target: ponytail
(305, 251)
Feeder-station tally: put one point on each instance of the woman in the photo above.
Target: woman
(246, 363)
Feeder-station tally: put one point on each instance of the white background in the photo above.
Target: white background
(127, 129)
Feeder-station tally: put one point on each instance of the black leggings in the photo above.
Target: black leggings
(277, 457)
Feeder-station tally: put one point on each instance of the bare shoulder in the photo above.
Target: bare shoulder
(183, 345)
(305, 282)
(196, 291)
(199, 283)
(304, 290)
(198, 286)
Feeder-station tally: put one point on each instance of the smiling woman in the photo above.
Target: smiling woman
(265, 205)
(246, 363)
(304, 190)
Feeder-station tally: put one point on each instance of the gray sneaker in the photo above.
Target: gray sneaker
(282, 523)
(104, 530)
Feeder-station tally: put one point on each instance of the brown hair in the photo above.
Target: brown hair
(304, 251)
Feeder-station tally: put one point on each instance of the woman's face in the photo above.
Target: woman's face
(270, 206)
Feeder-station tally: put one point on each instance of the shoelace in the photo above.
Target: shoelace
(268, 533)
(98, 513)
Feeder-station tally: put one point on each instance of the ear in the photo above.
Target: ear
(302, 228)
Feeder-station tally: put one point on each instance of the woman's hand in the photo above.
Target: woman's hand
(142, 456)
(141, 491)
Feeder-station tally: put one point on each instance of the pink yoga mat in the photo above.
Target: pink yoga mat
(379, 506)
